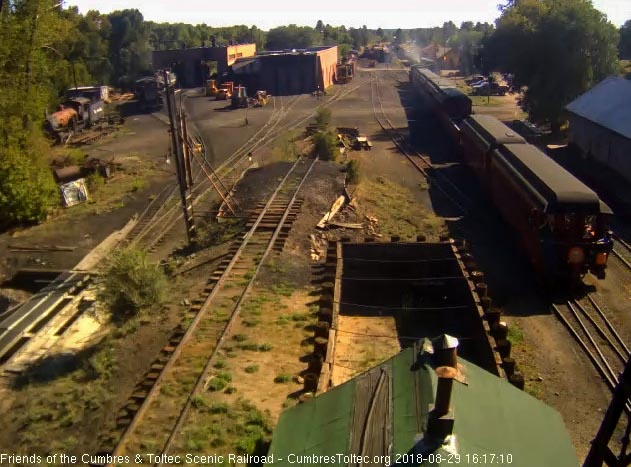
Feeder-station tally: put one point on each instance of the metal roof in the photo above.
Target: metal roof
(561, 190)
(385, 410)
(608, 104)
(491, 128)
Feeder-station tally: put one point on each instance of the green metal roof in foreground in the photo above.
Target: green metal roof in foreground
(384, 412)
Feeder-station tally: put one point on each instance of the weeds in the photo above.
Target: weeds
(283, 378)
(251, 369)
(130, 283)
(220, 381)
(515, 335)
(282, 289)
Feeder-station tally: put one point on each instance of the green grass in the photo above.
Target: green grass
(240, 337)
(250, 369)
(282, 289)
(220, 381)
(237, 427)
(299, 317)
(283, 378)
(220, 364)
(515, 335)
(397, 210)
(484, 101)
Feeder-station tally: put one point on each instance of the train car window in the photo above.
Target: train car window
(589, 230)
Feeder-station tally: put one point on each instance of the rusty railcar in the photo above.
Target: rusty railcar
(561, 223)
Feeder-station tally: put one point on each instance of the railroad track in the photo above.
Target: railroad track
(622, 251)
(164, 211)
(419, 161)
(596, 335)
(162, 224)
(182, 368)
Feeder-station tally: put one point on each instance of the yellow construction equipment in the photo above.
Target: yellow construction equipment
(211, 87)
(260, 98)
(225, 91)
(239, 98)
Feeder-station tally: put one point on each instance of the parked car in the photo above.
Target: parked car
(474, 79)
(478, 83)
(492, 89)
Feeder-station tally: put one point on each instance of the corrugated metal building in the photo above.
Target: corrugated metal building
(288, 72)
(391, 415)
(600, 124)
(190, 64)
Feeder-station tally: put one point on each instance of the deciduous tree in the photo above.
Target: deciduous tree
(556, 49)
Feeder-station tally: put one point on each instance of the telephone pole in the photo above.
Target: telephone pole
(182, 158)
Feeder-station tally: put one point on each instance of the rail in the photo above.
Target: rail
(205, 335)
(420, 162)
(596, 335)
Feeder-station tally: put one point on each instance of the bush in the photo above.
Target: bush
(130, 283)
(282, 378)
(27, 187)
(323, 118)
(325, 145)
(251, 369)
(353, 172)
(94, 181)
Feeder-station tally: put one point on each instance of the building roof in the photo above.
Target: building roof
(608, 104)
(435, 51)
(385, 411)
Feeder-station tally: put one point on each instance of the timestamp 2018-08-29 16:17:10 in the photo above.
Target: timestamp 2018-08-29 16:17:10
(454, 458)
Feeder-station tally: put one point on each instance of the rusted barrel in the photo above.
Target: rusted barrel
(503, 346)
(477, 277)
(509, 366)
(517, 380)
(500, 330)
(314, 363)
(322, 329)
(325, 314)
(319, 346)
(492, 316)
(311, 382)
(482, 289)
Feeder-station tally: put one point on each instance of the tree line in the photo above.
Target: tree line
(556, 50)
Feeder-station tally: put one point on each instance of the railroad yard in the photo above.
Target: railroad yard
(232, 346)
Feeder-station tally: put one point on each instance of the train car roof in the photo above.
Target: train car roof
(562, 191)
(453, 92)
(79, 99)
(490, 128)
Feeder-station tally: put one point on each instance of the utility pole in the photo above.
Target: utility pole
(600, 453)
(182, 160)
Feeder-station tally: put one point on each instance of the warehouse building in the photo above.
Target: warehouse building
(288, 72)
(600, 124)
(190, 65)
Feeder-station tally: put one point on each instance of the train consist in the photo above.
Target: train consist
(560, 222)
(449, 103)
(73, 115)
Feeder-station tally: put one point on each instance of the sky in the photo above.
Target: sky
(267, 14)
